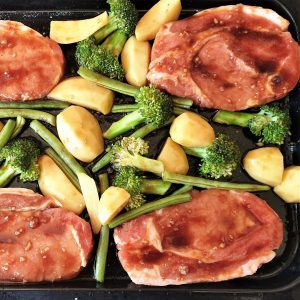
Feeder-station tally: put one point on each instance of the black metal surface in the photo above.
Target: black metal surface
(280, 274)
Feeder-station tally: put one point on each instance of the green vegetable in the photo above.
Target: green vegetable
(154, 106)
(20, 157)
(183, 189)
(7, 132)
(131, 180)
(36, 104)
(64, 167)
(104, 182)
(128, 152)
(101, 254)
(208, 184)
(149, 207)
(28, 114)
(140, 133)
(58, 147)
(271, 124)
(219, 159)
(20, 122)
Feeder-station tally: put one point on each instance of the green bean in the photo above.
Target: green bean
(104, 182)
(6, 132)
(183, 189)
(20, 122)
(37, 104)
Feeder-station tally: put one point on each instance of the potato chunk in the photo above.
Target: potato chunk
(162, 12)
(54, 183)
(174, 158)
(191, 130)
(80, 133)
(112, 201)
(265, 165)
(67, 32)
(289, 188)
(80, 91)
(135, 61)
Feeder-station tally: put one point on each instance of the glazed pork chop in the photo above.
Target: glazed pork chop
(30, 64)
(231, 57)
(218, 235)
(39, 240)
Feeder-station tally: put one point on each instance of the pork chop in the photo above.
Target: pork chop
(218, 235)
(30, 64)
(231, 57)
(39, 240)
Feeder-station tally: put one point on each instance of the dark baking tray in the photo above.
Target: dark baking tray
(280, 274)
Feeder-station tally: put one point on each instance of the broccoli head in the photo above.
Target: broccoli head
(20, 157)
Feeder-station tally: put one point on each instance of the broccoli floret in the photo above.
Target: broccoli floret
(20, 158)
(271, 124)
(219, 159)
(129, 151)
(98, 59)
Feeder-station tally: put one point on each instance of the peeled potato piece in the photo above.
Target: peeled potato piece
(161, 13)
(91, 198)
(80, 133)
(174, 158)
(112, 201)
(191, 130)
(68, 32)
(80, 91)
(54, 183)
(135, 61)
(289, 188)
(265, 165)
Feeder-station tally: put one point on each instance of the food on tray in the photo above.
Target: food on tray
(68, 32)
(40, 241)
(231, 57)
(19, 157)
(162, 12)
(54, 183)
(271, 124)
(79, 91)
(289, 188)
(265, 165)
(31, 65)
(219, 235)
(135, 61)
(103, 57)
(174, 158)
(80, 133)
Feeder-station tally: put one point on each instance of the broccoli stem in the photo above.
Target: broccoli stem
(183, 189)
(20, 122)
(125, 124)
(149, 207)
(37, 104)
(64, 167)
(198, 152)
(57, 145)
(6, 132)
(147, 164)
(154, 186)
(6, 175)
(208, 184)
(101, 254)
(232, 118)
(28, 114)
(115, 42)
(104, 182)
(105, 31)
(108, 83)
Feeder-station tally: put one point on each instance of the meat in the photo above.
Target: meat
(30, 64)
(231, 57)
(219, 235)
(39, 240)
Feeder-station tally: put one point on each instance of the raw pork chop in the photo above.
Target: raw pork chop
(219, 235)
(30, 64)
(231, 57)
(39, 240)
